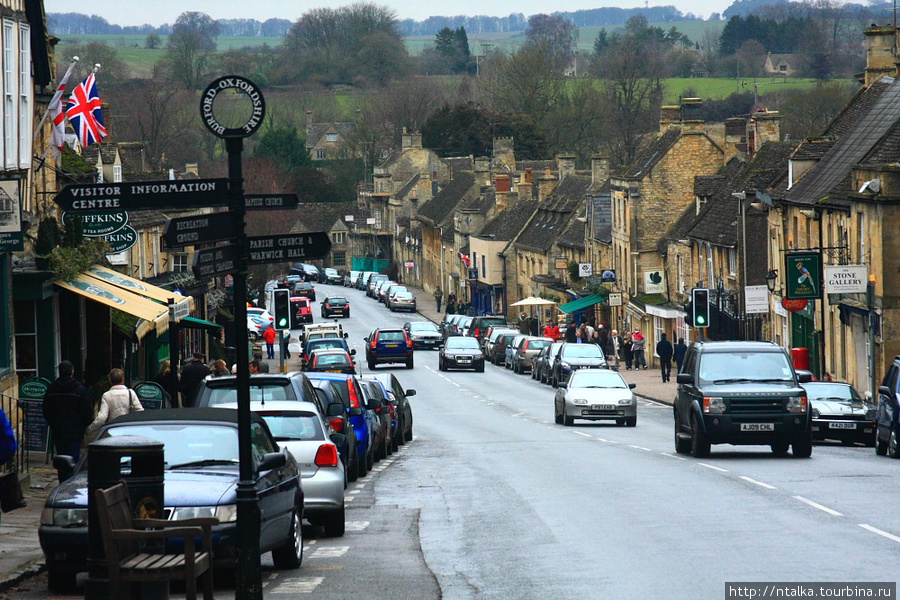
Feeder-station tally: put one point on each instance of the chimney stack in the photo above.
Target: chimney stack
(599, 168)
(565, 164)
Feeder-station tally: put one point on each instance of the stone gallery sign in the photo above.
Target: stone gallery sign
(846, 279)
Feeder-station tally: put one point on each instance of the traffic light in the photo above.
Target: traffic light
(282, 302)
(700, 307)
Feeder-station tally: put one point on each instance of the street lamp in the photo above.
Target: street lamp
(771, 277)
(742, 197)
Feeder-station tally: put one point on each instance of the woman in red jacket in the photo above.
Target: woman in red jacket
(269, 336)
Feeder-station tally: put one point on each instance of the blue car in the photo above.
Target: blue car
(362, 420)
(388, 346)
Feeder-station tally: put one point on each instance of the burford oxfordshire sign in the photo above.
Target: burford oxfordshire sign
(846, 279)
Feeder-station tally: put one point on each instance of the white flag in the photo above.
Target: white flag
(58, 128)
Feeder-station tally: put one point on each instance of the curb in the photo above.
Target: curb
(31, 569)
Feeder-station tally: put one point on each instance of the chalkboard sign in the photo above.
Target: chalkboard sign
(31, 400)
(151, 395)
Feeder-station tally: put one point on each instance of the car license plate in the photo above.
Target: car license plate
(333, 371)
(463, 359)
(757, 426)
(842, 425)
(392, 345)
(602, 407)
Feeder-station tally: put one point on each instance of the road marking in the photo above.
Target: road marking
(880, 532)
(312, 542)
(346, 499)
(330, 552)
(602, 440)
(581, 434)
(518, 414)
(355, 525)
(353, 492)
(360, 486)
(820, 507)
(297, 585)
(673, 456)
(639, 448)
(759, 483)
(713, 467)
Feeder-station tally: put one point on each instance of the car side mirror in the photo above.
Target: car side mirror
(356, 412)
(375, 404)
(883, 390)
(64, 464)
(631, 386)
(410, 392)
(804, 376)
(563, 384)
(338, 439)
(335, 409)
(352, 351)
(272, 460)
(346, 335)
(685, 378)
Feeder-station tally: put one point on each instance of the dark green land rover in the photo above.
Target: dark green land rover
(741, 393)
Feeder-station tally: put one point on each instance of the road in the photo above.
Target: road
(492, 500)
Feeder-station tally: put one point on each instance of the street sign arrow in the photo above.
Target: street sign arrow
(144, 195)
(212, 262)
(199, 229)
(270, 201)
(283, 248)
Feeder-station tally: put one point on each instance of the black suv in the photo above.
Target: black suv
(887, 417)
(741, 393)
(480, 325)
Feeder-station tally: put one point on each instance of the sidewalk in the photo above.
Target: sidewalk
(649, 382)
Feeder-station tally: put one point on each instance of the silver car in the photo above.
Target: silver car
(594, 395)
(526, 351)
(300, 428)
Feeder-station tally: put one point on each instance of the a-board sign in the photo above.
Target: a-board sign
(212, 262)
(280, 248)
(151, 394)
(35, 431)
(199, 229)
(143, 195)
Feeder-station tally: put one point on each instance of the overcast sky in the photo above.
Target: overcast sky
(157, 12)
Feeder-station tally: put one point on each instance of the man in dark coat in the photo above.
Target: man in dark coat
(680, 351)
(68, 410)
(570, 332)
(191, 376)
(664, 350)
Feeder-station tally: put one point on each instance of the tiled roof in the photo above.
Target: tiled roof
(409, 186)
(480, 203)
(537, 166)
(457, 189)
(859, 105)
(460, 163)
(140, 219)
(507, 225)
(644, 163)
(887, 151)
(573, 235)
(555, 213)
(813, 149)
(108, 153)
(150, 176)
(602, 207)
(706, 185)
(317, 131)
(866, 131)
(321, 216)
(90, 154)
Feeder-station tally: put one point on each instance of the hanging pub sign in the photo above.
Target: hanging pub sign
(803, 273)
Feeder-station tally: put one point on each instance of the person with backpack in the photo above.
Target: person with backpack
(117, 401)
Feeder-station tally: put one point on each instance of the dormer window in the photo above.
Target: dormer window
(330, 137)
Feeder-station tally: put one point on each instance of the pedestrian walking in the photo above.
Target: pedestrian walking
(438, 296)
(613, 347)
(285, 340)
(627, 351)
(680, 351)
(665, 351)
(451, 307)
(164, 378)
(117, 401)
(571, 331)
(68, 411)
(638, 343)
(269, 337)
(191, 376)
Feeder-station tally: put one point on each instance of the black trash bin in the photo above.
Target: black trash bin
(140, 463)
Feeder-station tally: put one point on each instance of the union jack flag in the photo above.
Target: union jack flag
(83, 111)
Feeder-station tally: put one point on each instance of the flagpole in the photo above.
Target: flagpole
(56, 98)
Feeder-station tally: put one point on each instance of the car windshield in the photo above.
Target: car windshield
(326, 343)
(461, 343)
(745, 367)
(597, 379)
(423, 328)
(832, 391)
(391, 336)
(185, 443)
(258, 393)
(538, 344)
(289, 425)
(582, 351)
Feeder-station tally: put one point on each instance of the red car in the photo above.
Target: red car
(301, 310)
(331, 361)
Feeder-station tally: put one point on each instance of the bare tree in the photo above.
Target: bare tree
(191, 48)
(528, 82)
(555, 34)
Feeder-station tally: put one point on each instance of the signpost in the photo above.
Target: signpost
(199, 229)
(803, 275)
(212, 262)
(271, 201)
(143, 195)
(295, 246)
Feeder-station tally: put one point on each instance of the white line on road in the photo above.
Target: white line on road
(639, 448)
(880, 532)
(759, 483)
(673, 456)
(348, 499)
(297, 585)
(602, 440)
(819, 506)
(353, 492)
(518, 414)
(713, 467)
(330, 552)
(581, 434)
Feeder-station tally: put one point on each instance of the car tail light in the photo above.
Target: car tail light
(525, 346)
(337, 423)
(374, 342)
(393, 411)
(408, 341)
(354, 399)
(477, 331)
(327, 456)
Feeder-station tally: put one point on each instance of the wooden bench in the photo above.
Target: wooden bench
(122, 534)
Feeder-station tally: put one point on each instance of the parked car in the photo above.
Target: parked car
(323, 330)
(461, 353)
(447, 325)
(386, 291)
(480, 325)
(382, 290)
(352, 396)
(888, 413)
(255, 327)
(306, 271)
(301, 311)
(741, 393)
(491, 339)
(461, 325)
(335, 305)
(331, 360)
(840, 413)
(260, 313)
(527, 350)
(374, 280)
(594, 395)
(402, 301)
(362, 283)
(314, 446)
(378, 402)
(264, 387)
(509, 350)
(329, 394)
(542, 363)
(401, 398)
(498, 350)
(332, 276)
(304, 289)
(424, 334)
(572, 357)
(388, 346)
(350, 278)
(329, 343)
(201, 474)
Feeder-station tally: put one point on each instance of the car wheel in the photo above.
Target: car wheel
(290, 555)
(408, 436)
(334, 524)
(620, 422)
(630, 421)
(371, 364)
(362, 469)
(780, 447)
(370, 460)
(567, 420)
(880, 444)
(409, 363)
(253, 336)
(892, 449)
(59, 579)
(700, 445)
(557, 417)
(802, 446)
(441, 366)
(348, 314)
(480, 368)
(682, 445)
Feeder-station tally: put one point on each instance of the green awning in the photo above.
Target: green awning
(195, 323)
(581, 303)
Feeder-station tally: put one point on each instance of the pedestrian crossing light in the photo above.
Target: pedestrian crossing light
(700, 307)
(282, 302)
